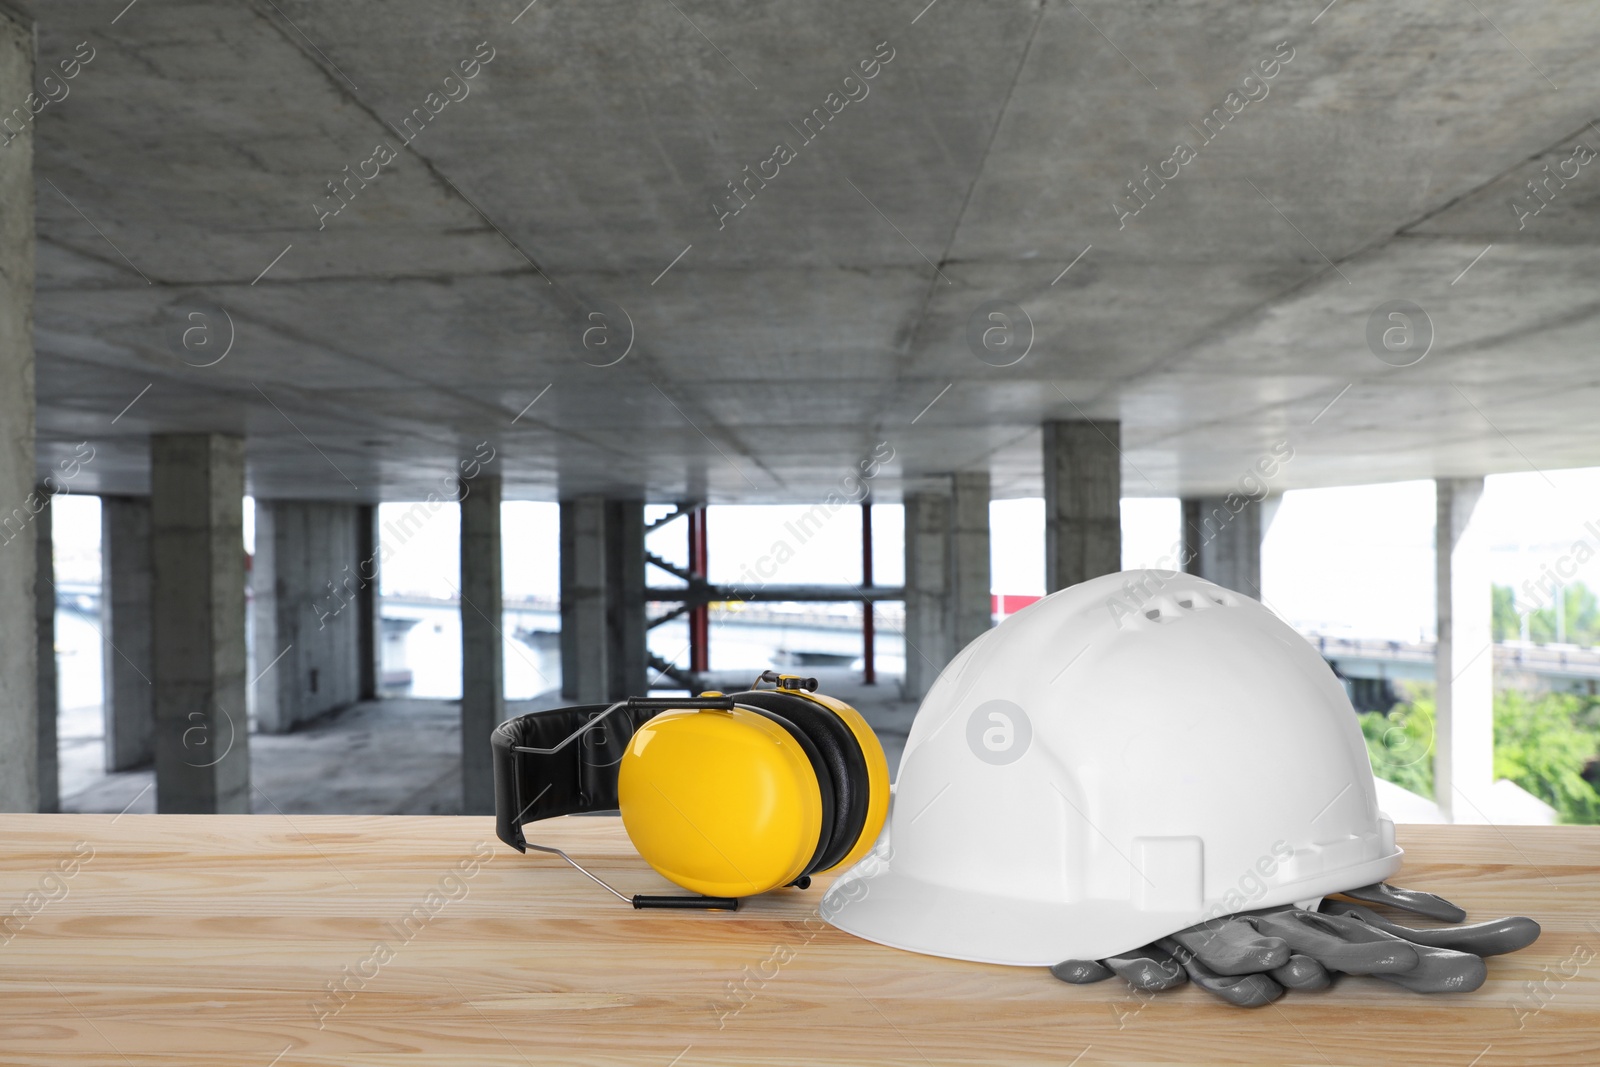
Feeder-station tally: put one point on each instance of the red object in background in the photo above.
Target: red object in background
(869, 668)
(1003, 604)
(699, 615)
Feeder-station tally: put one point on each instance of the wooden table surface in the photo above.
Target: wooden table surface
(271, 941)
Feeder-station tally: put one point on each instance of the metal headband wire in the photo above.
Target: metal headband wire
(662, 704)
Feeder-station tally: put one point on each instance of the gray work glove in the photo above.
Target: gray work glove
(1249, 959)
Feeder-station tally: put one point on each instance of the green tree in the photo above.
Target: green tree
(1579, 605)
(1400, 744)
(1541, 743)
(1507, 623)
(1583, 619)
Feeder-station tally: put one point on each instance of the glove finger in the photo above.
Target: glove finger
(1302, 972)
(1148, 969)
(1081, 972)
(1492, 938)
(1245, 991)
(1338, 943)
(1231, 946)
(1412, 900)
(1441, 970)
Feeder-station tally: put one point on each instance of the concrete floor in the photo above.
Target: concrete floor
(382, 757)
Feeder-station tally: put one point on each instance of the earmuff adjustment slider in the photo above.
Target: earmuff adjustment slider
(786, 681)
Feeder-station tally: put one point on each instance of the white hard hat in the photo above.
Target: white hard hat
(1112, 764)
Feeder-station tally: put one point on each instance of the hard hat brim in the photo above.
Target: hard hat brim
(908, 913)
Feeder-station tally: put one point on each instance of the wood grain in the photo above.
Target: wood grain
(213, 940)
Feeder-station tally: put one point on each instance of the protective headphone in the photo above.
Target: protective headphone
(726, 795)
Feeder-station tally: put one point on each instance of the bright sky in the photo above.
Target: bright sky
(1356, 560)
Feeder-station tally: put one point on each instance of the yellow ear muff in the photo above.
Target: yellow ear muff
(723, 803)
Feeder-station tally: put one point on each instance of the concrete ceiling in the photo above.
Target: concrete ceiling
(373, 348)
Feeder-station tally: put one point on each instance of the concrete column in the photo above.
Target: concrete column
(1223, 545)
(483, 689)
(125, 613)
(202, 738)
(626, 654)
(307, 583)
(585, 663)
(948, 601)
(48, 692)
(603, 628)
(971, 600)
(1463, 760)
(262, 697)
(928, 638)
(1082, 501)
(19, 702)
(369, 626)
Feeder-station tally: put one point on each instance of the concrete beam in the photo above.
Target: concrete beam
(1082, 501)
(19, 701)
(48, 690)
(947, 591)
(307, 581)
(1463, 760)
(202, 738)
(483, 705)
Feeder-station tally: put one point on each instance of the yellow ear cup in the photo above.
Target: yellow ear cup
(722, 803)
(877, 777)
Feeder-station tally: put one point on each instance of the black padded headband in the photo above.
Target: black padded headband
(550, 763)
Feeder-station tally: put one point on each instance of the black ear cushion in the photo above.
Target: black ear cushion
(819, 764)
(846, 763)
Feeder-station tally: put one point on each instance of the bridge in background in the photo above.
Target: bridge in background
(1371, 667)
